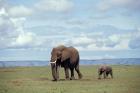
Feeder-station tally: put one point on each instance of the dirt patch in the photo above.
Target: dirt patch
(85, 79)
(7, 71)
(76, 80)
(40, 79)
(17, 82)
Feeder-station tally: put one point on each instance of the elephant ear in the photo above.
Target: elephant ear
(59, 54)
(65, 54)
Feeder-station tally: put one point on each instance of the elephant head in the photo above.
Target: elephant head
(56, 54)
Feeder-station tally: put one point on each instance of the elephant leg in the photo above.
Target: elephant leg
(104, 74)
(107, 73)
(54, 72)
(72, 74)
(57, 72)
(111, 74)
(66, 72)
(99, 74)
(78, 72)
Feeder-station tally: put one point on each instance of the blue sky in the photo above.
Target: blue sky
(99, 29)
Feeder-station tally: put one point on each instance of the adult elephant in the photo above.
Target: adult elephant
(66, 57)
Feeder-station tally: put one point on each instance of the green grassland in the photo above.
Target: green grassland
(38, 80)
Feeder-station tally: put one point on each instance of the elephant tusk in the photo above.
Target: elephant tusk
(53, 62)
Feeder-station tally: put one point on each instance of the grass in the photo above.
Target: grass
(38, 80)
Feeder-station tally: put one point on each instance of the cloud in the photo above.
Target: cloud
(19, 11)
(81, 41)
(54, 5)
(105, 38)
(2, 3)
(96, 57)
(6, 26)
(88, 37)
(98, 37)
(3, 12)
(11, 25)
(111, 42)
(24, 39)
(131, 5)
(134, 43)
(103, 6)
(12, 33)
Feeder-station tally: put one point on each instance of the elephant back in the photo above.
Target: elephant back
(61, 47)
(74, 54)
(70, 53)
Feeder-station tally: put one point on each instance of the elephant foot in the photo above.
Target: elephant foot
(72, 78)
(67, 78)
(54, 80)
(80, 76)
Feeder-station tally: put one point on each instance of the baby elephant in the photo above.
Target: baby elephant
(105, 70)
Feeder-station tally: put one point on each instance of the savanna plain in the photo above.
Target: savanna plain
(38, 80)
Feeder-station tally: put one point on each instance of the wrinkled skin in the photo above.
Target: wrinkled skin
(66, 57)
(105, 70)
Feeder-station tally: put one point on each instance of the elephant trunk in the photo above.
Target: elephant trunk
(54, 72)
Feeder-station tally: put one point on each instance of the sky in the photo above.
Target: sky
(99, 29)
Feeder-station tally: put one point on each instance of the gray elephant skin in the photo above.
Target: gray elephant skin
(105, 71)
(66, 57)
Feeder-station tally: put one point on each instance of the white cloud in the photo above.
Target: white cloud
(6, 26)
(113, 40)
(54, 5)
(107, 56)
(83, 40)
(24, 39)
(19, 11)
(103, 6)
(12, 33)
(134, 42)
(96, 40)
(100, 43)
(18, 22)
(123, 45)
(126, 4)
(3, 12)
(103, 56)
(2, 3)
